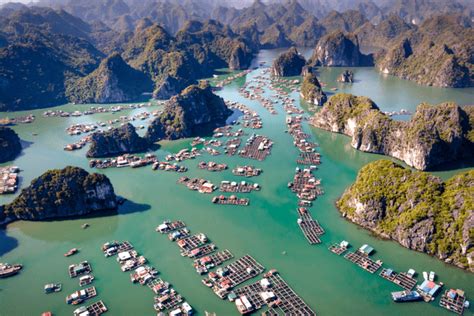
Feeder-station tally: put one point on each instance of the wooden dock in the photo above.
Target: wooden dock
(189, 243)
(203, 264)
(401, 279)
(363, 261)
(200, 251)
(288, 301)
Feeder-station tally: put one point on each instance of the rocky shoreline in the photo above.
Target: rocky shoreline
(61, 193)
(416, 209)
(435, 135)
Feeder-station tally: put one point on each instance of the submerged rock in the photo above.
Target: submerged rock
(338, 49)
(195, 111)
(434, 135)
(289, 63)
(311, 89)
(347, 76)
(10, 145)
(71, 191)
(418, 210)
(120, 140)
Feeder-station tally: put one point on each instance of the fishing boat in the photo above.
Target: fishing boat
(425, 275)
(432, 276)
(52, 288)
(406, 296)
(86, 279)
(71, 252)
(8, 270)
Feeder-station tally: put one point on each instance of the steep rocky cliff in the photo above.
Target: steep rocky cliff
(10, 145)
(339, 49)
(196, 111)
(434, 135)
(289, 63)
(113, 81)
(68, 192)
(347, 76)
(120, 140)
(416, 209)
(312, 91)
(439, 53)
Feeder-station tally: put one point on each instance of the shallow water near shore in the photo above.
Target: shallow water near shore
(266, 229)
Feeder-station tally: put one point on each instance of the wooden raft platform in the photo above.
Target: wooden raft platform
(238, 270)
(257, 147)
(455, 305)
(97, 308)
(400, 279)
(289, 302)
(309, 159)
(309, 226)
(231, 200)
(189, 243)
(201, 251)
(86, 269)
(363, 261)
(337, 249)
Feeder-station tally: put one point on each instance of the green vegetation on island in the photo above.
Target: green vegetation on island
(417, 209)
(10, 145)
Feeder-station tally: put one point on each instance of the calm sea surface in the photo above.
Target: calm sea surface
(267, 229)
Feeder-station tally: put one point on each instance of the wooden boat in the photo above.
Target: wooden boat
(71, 252)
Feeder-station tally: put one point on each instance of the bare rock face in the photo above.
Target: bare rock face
(435, 134)
(120, 140)
(338, 49)
(347, 76)
(312, 91)
(289, 63)
(10, 145)
(68, 192)
(416, 209)
(195, 111)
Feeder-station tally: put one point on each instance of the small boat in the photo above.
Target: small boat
(47, 314)
(85, 225)
(411, 273)
(406, 296)
(425, 275)
(71, 252)
(7, 270)
(52, 288)
(432, 276)
(86, 279)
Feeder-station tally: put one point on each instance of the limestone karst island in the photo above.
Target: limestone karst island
(225, 157)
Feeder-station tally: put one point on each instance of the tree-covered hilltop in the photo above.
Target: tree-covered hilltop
(113, 81)
(416, 209)
(60, 193)
(289, 63)
(438, 53)
(434, 135)
(117, 141)
(10, 145)
(311, 89)
(195, 111)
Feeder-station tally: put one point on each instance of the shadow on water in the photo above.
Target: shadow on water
(7, 243)
(455, 165)
(130, 207)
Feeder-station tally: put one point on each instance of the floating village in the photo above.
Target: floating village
(243, 281)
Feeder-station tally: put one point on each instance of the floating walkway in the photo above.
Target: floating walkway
(205, 263)
(454, 301)
(231, 200)
(238, 187)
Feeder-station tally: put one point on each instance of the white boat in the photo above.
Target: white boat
(411, 273)
(432, 276)
(425, 275)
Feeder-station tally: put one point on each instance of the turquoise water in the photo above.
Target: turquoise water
(267, 229)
